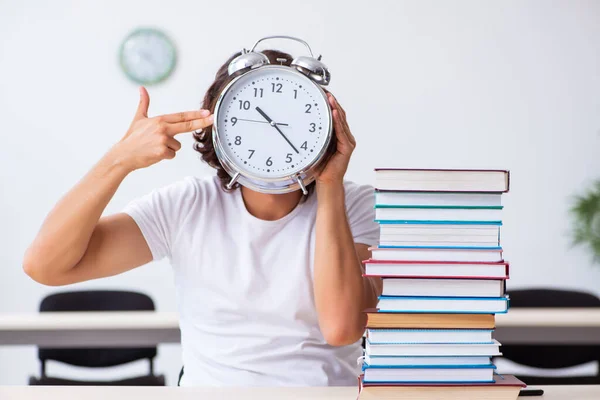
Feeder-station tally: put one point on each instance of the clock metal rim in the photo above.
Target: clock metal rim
(164, 75)
(288, 182)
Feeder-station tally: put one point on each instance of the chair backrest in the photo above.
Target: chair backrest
(96, 300)
(552, 298)
(551, 356)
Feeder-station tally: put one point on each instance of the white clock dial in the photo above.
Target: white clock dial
(147, 56)
(273, 122)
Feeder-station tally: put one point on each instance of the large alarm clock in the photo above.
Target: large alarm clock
(272, 122)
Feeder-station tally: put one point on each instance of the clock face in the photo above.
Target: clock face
(147, 56)
(273, 122)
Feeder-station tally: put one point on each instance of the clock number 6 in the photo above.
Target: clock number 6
(269, 162)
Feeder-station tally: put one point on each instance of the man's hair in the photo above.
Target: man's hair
(203, 139)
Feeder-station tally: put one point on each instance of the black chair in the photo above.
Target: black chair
(553, 356)
(98, 300)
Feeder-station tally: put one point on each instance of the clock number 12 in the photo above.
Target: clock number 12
(276, 87)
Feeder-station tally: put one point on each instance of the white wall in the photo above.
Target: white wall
(498, 84)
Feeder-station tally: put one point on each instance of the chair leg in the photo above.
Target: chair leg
(180, 376)
(43, 369)
(151, 366)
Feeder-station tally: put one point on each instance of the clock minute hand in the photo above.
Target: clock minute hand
(274, 125)
(261, 122)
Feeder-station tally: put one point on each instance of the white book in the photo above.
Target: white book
(382, 361)
(384, 241)
(439, 235)
(441, 180)
(433, 350)
(438, 199)
(443, 304)
(383, 213)
(475, 237)
(443, 287)
(447, 374)
(452, 231)
(424, 254)
(429, 335)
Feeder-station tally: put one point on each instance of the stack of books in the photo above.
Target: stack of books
(443, 282)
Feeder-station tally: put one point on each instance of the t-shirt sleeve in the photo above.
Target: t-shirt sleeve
(160, 215)
(360, 203)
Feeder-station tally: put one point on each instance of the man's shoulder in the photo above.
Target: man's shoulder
(209, 183)
(356, 191)
(350, 185)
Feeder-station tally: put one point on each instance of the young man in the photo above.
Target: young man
(270, 288)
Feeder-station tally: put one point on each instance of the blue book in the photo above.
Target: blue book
(429, 374)
(462, 305)
(426, 360)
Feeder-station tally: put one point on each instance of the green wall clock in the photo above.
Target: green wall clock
(147, 56)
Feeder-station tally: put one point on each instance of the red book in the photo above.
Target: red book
(504, 387)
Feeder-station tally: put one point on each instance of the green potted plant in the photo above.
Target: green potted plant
(586, 212)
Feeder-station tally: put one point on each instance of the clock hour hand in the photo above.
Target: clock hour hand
(274, 125)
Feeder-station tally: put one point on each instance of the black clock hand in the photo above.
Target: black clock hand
(270, 121)
(262, 122)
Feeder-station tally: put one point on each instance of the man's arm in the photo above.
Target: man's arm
(341, 292)
(74, 244)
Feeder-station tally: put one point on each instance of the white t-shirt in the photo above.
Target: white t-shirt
(245, 285)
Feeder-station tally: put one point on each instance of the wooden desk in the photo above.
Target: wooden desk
(81, 329)
(175, 393)
(548, 326)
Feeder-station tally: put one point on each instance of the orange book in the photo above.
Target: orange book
(429, 321)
